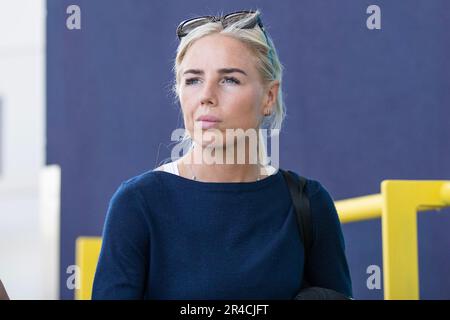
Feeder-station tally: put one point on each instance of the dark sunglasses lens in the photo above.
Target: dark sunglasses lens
(190, 25)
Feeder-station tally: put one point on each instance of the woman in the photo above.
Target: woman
(3, 293)
(196, 230)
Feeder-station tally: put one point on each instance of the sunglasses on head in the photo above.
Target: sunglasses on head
(187, 26)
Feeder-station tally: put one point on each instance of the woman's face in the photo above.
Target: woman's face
(218, 78)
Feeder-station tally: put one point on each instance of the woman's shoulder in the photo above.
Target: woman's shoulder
(313, 187)
(141, 182)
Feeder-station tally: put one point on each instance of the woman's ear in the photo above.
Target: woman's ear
(271, 96)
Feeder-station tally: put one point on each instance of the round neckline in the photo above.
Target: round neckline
(222, 186)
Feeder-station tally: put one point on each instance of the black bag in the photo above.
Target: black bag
(303, 212)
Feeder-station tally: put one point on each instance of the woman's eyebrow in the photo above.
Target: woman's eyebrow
(220, 71)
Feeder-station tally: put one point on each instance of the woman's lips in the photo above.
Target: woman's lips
(208, 121)
(208, 124)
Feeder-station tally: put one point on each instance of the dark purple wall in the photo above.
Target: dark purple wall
(363, 106)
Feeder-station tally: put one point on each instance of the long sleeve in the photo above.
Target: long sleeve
(327, 265)
(124, 258)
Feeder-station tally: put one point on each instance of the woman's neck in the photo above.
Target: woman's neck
(198, 164)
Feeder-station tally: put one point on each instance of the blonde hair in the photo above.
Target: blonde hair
(267, 63)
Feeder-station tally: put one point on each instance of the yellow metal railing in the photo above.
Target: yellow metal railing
(397, 206)
(87, 252)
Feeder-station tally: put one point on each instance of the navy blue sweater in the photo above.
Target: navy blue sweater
(169, 237)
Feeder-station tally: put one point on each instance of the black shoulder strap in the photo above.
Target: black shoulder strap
(296, 185)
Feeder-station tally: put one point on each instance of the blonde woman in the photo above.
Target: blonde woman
(195, 230)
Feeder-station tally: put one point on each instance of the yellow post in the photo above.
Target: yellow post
(401, 201)
(87, 254)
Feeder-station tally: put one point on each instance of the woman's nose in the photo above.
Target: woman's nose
(208, 95)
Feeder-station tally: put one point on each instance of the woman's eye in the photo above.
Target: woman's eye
(191, 81)
(231, 80)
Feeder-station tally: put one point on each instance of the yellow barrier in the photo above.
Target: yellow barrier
(396, 205)
(402, 200)
(87, 253)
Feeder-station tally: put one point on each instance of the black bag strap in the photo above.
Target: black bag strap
(300, 200)
(296, 185)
